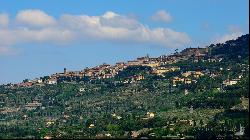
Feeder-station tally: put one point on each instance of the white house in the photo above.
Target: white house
(52, 81)
(230, 82)
(81, 89)
(39, 81)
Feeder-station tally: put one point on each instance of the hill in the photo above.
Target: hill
(232, 49)
(197, 93)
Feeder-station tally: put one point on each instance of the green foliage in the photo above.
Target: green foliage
(233, 49)
(217, 108)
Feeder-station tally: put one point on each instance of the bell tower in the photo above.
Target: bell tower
(64, 71)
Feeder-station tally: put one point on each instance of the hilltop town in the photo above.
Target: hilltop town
(159, 66)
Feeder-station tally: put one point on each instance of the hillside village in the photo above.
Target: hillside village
(159, 66)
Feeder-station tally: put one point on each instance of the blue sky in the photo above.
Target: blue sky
(41, 37)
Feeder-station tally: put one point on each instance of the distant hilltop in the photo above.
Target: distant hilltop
(159, 65)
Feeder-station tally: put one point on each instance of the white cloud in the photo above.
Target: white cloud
(24, 35)
(110, 27)
(162, 16)
(229, 36)
(34, 17)
(4, 20)
(234, 33)
(110, 15)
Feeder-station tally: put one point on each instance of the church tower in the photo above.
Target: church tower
(64, 71)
